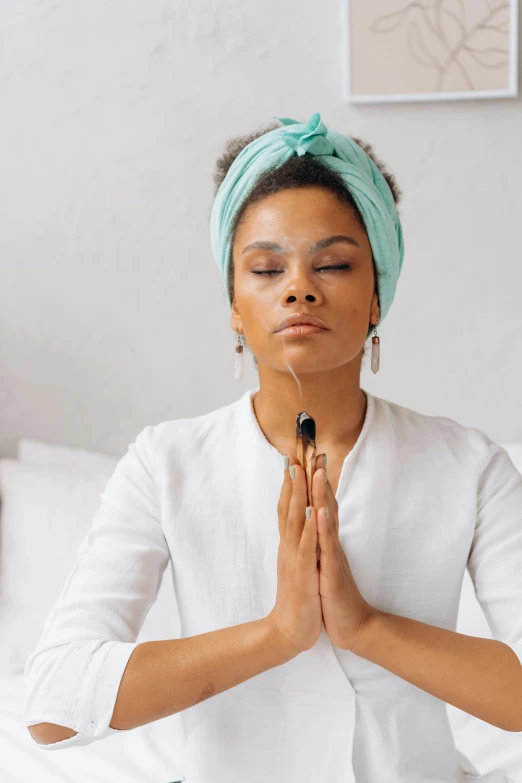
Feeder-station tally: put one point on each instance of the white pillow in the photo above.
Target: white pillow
(159, 621)
(45, 515)
(91, 463)
(514, 449)
(87, 463)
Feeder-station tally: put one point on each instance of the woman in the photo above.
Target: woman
(317, 641)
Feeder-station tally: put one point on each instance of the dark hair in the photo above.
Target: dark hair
(297, 172)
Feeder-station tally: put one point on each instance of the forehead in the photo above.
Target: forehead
(300, 215)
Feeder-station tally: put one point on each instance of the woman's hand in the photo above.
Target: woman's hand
(345, 611)
(296, 616)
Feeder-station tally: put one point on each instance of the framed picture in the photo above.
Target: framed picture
(431, 50)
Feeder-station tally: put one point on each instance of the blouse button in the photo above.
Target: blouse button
(91, 727)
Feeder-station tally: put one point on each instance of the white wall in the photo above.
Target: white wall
(112, 309)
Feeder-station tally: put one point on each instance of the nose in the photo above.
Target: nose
(297, 298)
(300, 287)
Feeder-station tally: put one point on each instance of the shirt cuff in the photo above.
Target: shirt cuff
(97, 698)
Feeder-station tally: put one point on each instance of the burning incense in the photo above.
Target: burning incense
(305, 436)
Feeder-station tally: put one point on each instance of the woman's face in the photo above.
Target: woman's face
(290, 257)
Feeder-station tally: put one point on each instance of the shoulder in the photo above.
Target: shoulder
(187, 435)
(435, 433)
(453, 449)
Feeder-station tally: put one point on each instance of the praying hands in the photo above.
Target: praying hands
(344, 609)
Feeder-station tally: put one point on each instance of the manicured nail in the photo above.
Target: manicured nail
(325, 475)
(327, 513)
(308, 512)
(324, 463)
(287, 461)
(292, 472)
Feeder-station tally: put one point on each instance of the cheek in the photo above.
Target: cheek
(251, 286)
(353, 296)
(258, 315)
(258, 321)
(257, 294)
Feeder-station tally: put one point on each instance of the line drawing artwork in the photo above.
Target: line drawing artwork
(440, 37)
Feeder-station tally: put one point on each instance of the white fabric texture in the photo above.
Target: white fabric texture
(514, 449)
(40, 535)
(418, 497)
(143, 755)
(46, 512)
(76, 460)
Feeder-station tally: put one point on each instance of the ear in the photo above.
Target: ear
(235, 318)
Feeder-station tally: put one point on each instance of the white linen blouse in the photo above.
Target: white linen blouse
(420, 499)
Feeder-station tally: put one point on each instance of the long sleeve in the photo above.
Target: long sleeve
(73, 676)
(495, 558)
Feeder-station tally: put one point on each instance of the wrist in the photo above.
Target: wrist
(367, 634)
(276, 640)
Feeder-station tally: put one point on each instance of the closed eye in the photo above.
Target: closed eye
(278, 271)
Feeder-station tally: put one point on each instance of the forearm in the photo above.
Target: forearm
(482, 677)
(168, 676)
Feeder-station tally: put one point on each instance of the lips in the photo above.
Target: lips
(301, 318)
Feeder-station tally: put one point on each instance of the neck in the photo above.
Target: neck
(334, 399)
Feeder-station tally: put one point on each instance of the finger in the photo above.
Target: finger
(284, 499)
(297, 507)
(330, 501)
(306, 560)
(322, 493)
(318, 483)
(319, 461)
(330, 563)
(324, 533)
(287, 488)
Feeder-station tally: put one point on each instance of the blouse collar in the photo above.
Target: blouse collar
(252, 428)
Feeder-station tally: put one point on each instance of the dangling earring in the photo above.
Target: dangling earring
(376, 351)
(238, 364)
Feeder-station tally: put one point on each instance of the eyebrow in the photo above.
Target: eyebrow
(265, 245)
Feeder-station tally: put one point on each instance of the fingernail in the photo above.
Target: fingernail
(286, 461)
(327, 513)
(325, 476)
(324, 463)
(292, 472)
(308, 512)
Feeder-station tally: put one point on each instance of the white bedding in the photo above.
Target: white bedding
(142, 755)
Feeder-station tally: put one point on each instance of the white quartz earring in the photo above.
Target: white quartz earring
(376, 351)
(238, 364)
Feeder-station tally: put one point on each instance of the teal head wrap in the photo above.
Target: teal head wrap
(361, 175)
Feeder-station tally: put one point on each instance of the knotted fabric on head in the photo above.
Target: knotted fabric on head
(361, 176)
